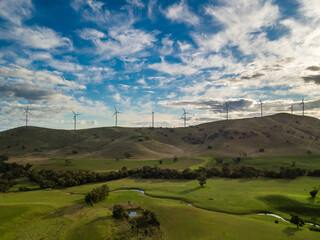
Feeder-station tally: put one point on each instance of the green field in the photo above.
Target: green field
(309, 162)
(58, 214)
(223, 209)
(93, 164)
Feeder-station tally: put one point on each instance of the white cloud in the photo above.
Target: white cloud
(121, 41)
(137, 3)
(173, 68)
(151, 6)
(15, 11)
(179, 12)
(36, 37)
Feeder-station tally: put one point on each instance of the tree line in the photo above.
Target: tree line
(62, 179)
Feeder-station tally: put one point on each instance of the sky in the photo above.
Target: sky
(89, 56)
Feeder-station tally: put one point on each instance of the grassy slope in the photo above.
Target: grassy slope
(239, 196)
(58, 215)
(281, 134)
(93, 164)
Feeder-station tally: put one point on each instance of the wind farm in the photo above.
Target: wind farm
(160, 120)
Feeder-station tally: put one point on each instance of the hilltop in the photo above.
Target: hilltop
(276, 135)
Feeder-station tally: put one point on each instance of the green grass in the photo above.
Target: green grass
(239, 196)
(67, 217)
(308, 162)
(109, 165)
(24, 182)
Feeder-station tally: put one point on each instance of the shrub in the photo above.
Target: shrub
(4, 158)
(127, 155)
(24, 189)
(97, 194)
(119, 212)
(175, 158)
(261, 150)
(314, 193)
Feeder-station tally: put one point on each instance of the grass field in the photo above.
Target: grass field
(308, 162)
(58, 215)
(238, 196)
(92, 164)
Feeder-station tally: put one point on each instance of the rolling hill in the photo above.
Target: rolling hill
(276, 135)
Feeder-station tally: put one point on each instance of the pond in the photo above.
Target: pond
(133, 214)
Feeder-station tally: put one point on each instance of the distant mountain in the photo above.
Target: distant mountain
(280, 134)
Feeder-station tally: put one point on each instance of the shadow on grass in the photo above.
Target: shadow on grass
(67, 210)
(288, 205)
(190, 190)
(289, 231)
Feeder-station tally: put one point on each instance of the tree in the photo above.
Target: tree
(202, 180)
(175, 158)
(97, 194)
(293, 164)
(67, 162)
(295, 219)
(314, 193)
(4, 158)
(119, 212)
(219, 160)
(160, 161)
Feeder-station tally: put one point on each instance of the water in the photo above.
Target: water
(133, 214)
(273, 215)
(138, 190)
(282, 219)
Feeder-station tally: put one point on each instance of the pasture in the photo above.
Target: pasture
(57, 214)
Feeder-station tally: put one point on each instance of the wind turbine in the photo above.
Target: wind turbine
(260, 106)
(152, 119)
(226, 107)
(116, 114)
(302, 104)
(27, 114)
(184, 117)
(75, 119)
(291, 108)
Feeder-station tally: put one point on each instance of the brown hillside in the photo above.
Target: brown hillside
(281, 134)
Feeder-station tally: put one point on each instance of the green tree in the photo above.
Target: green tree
(202, 180)
(119, 212)
(314, 193)
(67, 162)
(295, 219)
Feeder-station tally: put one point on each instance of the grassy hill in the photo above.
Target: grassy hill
(277, 135)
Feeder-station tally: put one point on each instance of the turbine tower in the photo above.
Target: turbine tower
(291, 108)
(27, 115)
(260, 106)
(226, 107)
(116, 114)
(152, 119)
(302, 104)
(75, 119)
(184, 117)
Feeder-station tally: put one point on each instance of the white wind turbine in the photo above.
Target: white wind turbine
(75, 119)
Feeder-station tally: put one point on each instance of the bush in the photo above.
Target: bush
(314, 193)
(261, 150)
(175, 158)
(97, 194)
(127, 155)
(4, 158)
(119, 212)
(24, 189)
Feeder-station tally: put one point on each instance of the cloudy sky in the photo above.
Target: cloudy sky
(142, 56)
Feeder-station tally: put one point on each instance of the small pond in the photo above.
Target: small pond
(133, 214)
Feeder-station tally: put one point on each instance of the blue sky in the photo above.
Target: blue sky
(88, 56)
